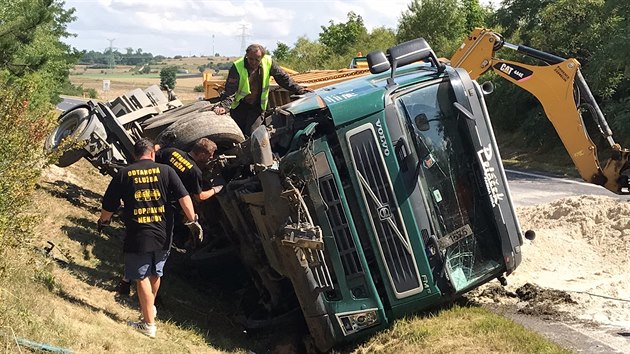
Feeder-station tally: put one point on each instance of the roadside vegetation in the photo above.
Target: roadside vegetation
(57, 274)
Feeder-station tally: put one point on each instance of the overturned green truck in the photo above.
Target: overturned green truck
(359, 203)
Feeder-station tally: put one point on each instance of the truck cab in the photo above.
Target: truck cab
(376, 197)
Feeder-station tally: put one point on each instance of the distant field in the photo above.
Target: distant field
(122, 80)
(121, 85)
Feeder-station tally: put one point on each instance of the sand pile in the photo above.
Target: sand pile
(582, 246)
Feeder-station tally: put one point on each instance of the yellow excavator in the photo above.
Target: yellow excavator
(563, 93)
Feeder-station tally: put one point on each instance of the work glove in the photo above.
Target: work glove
(100, 224)
(196, 231)
(217, 189)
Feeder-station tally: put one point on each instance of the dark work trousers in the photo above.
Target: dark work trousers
(246, 115)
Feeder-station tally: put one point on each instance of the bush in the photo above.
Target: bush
(23, 128)
(71, 90)
(198, 88)
(91, 92)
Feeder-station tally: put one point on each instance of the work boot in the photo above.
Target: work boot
(123, 288)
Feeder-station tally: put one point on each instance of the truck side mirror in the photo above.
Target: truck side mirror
(377, 62)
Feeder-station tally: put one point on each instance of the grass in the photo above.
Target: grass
(67, 299)
(458, 330)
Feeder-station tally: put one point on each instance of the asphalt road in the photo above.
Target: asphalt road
(531, 188)
(69, 102)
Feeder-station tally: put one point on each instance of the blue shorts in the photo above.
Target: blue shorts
(141, 265)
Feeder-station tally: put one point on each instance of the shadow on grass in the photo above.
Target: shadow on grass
(207, 297)
(74, 300)
(106, 250)
(192, 296)
(75, 195)
(200, 297)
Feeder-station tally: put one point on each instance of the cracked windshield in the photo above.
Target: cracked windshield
(464, 230)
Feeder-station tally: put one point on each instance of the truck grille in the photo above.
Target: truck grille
(340, 228)
(386, 221)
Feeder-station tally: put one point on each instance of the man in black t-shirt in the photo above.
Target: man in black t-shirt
(186, 164)
(146, 188)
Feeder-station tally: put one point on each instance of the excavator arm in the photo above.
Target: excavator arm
(562, 90)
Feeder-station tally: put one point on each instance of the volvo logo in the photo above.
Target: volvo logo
(381, 138)
(384, 213)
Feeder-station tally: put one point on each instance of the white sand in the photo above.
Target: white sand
(582, 246)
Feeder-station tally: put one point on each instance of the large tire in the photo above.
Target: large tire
(155, 125)
(75, 126)
(221, 129)
(172, 115)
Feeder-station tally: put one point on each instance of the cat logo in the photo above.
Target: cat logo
(384, 213)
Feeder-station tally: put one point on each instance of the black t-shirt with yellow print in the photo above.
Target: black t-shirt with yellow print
(146, 188)
(184, 165)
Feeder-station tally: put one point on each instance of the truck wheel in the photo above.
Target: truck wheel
(155, 125)
(74, 127)
(221, 129)
(173, 115)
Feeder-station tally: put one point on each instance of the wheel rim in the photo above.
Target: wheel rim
(71, 126)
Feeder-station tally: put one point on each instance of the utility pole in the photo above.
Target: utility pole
(244, 36)
(212, 54)
(111, 54)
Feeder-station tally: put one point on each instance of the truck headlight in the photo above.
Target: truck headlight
(352, 322)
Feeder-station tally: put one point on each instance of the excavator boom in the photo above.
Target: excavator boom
(562, 91)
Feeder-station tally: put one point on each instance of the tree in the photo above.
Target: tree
(443, 23)
(475, 14)
(168, 77)
(31, 47)
(342, 36)
(34, 67)
(282, 52)
(380, 38)
(520, 17)
(308, 55)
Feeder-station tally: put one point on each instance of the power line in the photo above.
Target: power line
(244, 36)
(111, 54)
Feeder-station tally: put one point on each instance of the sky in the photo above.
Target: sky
(205, 27)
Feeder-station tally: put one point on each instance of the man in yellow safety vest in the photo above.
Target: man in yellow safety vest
(246, 91)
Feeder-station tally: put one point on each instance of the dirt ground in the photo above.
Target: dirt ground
(576, 269)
